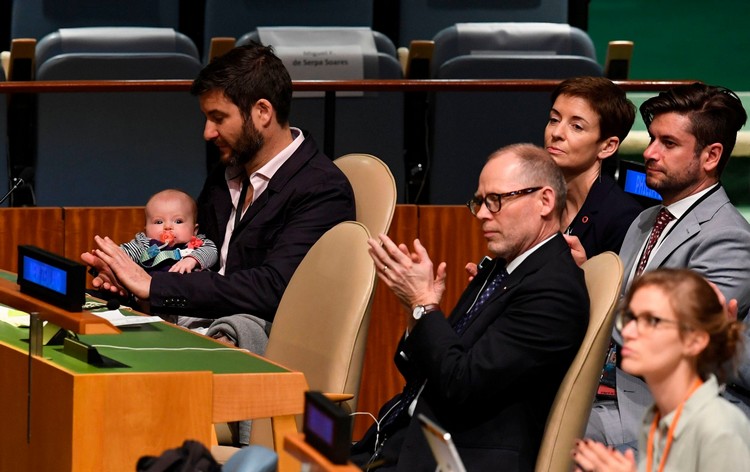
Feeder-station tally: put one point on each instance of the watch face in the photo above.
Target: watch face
(418, 312)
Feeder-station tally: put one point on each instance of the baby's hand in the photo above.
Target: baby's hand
(184, 265)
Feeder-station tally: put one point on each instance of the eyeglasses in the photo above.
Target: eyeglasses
(493, 200)
(645, 323)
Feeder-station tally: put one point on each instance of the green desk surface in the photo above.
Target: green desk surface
(164, 348)
(154, 347)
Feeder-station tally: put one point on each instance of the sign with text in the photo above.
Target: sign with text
(322, 53)
(323, 63)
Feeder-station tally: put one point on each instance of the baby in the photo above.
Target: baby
(170, 240)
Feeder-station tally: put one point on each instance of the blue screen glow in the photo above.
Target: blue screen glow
(45, 275)
(635, 182)
(320, 424)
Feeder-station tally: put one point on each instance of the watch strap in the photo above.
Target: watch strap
(431, 307)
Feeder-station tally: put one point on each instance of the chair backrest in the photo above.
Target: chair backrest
(117, 148)
(108, 40)
(470, 39)
(37, 18)
(421, 19)
(496, 118)
(374, 190)
(572, 406)
(234, 18)
(321, 325)
(383, 112)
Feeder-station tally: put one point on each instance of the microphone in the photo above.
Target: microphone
(112, 304)
(25, 175)
(485, 260)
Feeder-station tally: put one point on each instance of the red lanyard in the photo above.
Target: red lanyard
(670, 432)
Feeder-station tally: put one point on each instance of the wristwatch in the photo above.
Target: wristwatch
(421, 310)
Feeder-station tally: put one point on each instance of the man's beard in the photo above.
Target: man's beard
(677, 181)
(247, 146)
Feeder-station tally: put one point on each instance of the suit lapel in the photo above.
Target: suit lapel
(472, 292)
(685, 229)
(689, 225)
(252, 211)
(279, 180)
(531, 264)
(590, 208)
(631, 247)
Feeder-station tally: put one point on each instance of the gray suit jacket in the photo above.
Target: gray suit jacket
(713, 239)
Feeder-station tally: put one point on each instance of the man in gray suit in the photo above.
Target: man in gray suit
(693, 129)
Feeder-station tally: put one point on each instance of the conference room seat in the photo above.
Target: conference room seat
(509, 38)
(466, 127)
(233, 18)
(374, 190)
(321, 325)
(572, 405)
(117, 148)
(370, 122)
(37, 18)
(421, 19)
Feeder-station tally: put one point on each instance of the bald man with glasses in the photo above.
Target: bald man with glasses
(488, 372)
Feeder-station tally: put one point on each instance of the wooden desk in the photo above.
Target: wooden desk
(64, 415)
(296, 445)
(81, 322)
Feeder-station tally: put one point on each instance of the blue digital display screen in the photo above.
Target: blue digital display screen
(635, 183)
(47, 276)
(320, 424)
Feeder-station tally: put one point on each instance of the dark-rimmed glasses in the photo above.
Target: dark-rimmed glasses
(493, 200)
(644, 323)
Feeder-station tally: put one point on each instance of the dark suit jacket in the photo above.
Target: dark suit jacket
(492, 387)
(306, 197)
(605, 217)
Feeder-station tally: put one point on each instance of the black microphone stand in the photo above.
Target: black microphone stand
(18, 181)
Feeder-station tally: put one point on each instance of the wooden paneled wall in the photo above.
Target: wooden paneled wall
(42, 227)
(449, 233)
(82, 224)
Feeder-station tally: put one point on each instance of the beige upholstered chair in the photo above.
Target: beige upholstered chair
(374, 190)
(572, 406)
(321, 325)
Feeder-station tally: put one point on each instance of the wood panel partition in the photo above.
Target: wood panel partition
(452, 235)
(82, 224)
(380, 378)
(449, 233)
(41, 227)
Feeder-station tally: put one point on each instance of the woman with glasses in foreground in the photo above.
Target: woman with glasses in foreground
(679, 337)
